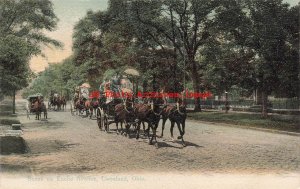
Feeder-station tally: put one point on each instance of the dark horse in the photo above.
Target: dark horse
(151, 114)
(63, 102)
(55, 102)
(176, 114)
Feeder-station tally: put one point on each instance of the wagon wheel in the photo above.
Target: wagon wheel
(99, 119)
(105, 123)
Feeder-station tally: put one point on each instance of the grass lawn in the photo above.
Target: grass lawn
(278, 122)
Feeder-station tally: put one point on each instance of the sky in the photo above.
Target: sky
(69, 13)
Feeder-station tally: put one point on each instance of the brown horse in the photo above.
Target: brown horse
(79, 105)
(87, 107)
(39, 107)
(124, 113)
(91, 107)
(142, 111)
(94, 106)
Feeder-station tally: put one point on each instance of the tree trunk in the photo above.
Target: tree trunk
(145, 86)
(264, 103)
(226, 102)
(14, 101)
(258, 96)
(195, 78)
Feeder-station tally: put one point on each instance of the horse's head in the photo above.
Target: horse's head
(39, 99)
(129, 101)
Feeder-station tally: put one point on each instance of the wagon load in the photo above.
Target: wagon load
(84, 90)
(118, 87)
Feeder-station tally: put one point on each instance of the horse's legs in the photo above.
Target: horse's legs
(138, 129)
(87, 113)
(181, 133)
(150, 140)
(143, 128)
(183, 129)
(117, 123)
(171, 129)
(127, 126)
(38, 115)
(91, 112)
(148, 129)
(154, 134)
(163, 127)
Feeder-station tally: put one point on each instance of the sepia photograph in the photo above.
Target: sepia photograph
(149, 94)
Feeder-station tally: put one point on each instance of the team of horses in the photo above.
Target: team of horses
(57, 102)
(156, 110)
(150, 111)
(88, 106)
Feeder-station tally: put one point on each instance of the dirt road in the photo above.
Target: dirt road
(72, 144)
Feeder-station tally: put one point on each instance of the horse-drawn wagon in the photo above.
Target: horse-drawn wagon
(116, 104)
(35, 105)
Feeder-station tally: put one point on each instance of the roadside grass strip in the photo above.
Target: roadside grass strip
(277, 122)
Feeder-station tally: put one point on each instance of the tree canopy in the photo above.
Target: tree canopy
(201, 45)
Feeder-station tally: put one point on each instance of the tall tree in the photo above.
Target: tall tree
(14, 65)
(272, 37)
(24, 21)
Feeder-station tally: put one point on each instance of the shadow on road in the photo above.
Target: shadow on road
(165, 144)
